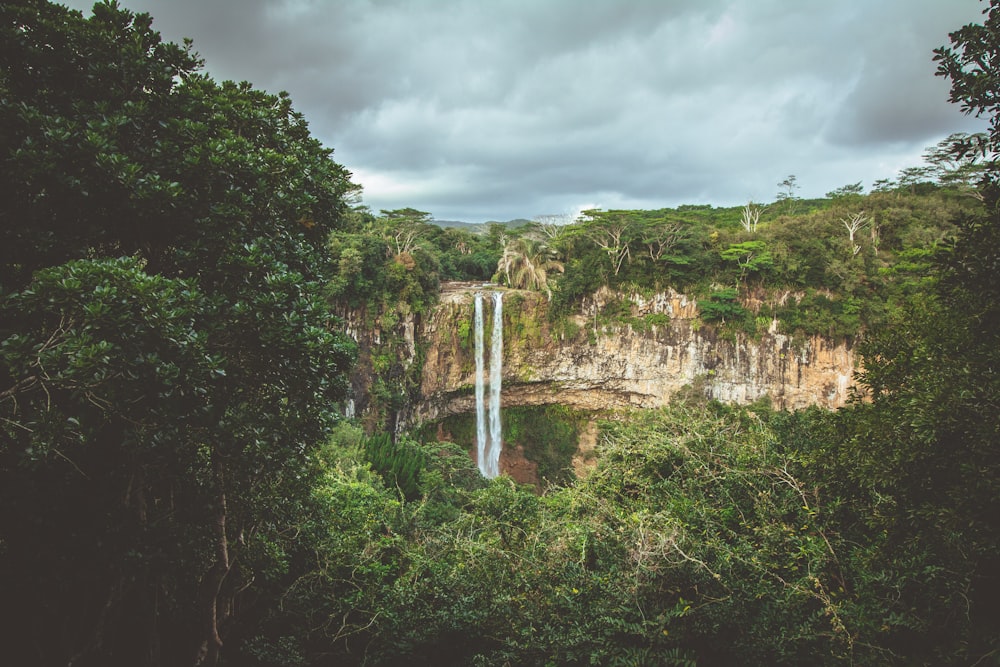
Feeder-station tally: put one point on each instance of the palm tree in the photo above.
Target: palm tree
(526, 263)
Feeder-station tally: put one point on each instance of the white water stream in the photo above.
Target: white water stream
(480, 393)
(489, 445)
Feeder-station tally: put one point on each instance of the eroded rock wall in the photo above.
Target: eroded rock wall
(593, 366)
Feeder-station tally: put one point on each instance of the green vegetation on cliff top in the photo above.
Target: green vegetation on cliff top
(829, 266)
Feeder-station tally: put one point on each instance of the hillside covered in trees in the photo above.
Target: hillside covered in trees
(848, 259)
(179, 486)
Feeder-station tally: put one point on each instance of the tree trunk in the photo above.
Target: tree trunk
(210, 645)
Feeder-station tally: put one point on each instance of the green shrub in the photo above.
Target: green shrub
(398, 462)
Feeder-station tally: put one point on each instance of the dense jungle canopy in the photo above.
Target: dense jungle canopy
(178, 485)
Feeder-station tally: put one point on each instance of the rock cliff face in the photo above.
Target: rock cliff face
(594, 366)
(387, 353)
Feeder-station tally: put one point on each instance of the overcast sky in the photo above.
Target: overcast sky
(482, 110)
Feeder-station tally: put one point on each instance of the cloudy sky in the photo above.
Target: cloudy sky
(482, 110)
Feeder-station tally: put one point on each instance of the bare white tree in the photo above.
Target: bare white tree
(750, 218)
(551, 226)
(876, 230)
(612, 236)
(405, 238)
(853, 223)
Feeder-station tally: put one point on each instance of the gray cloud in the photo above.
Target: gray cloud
(476, 111)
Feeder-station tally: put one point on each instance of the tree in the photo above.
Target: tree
(849, 190)
(167, 360)
(526, 263)
(750, 217)
(402, 228)
(551, 226)
(660, 236)
(911, 177)
(750, 257)
(922, 454)
(952, 164)
(972, 66)
(853, 223)
(786, 196)
(884, 185)
(612, 232)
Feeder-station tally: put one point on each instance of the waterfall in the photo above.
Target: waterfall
(496, 368)
(488, 445)
(480, 393)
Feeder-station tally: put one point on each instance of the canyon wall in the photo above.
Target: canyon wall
(656, 346)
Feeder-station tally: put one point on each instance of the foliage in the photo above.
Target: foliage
(706, 535)
(173, 473)
(166, 361)
(400, 256)
(398, 462)
(722, 305)
(970, 64)
(796, 247)
(526, 263)
(700, 537)
(752, 257)
(815, 313)
(546, 434)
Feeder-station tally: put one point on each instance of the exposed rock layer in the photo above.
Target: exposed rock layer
(596, 367)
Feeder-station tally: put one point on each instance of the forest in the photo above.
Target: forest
(179, 484)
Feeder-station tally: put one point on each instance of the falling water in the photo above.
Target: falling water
(496, 368)
(488, 445)
(480, 393)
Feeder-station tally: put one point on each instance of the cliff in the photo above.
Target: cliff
(655, 346)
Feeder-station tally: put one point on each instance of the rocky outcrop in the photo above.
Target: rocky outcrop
(642, 358)
(387, 357)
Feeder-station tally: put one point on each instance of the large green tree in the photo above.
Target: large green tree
(920, 459)
(166, 361)
(972, 63)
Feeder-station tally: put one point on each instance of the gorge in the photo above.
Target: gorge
(655, 346)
